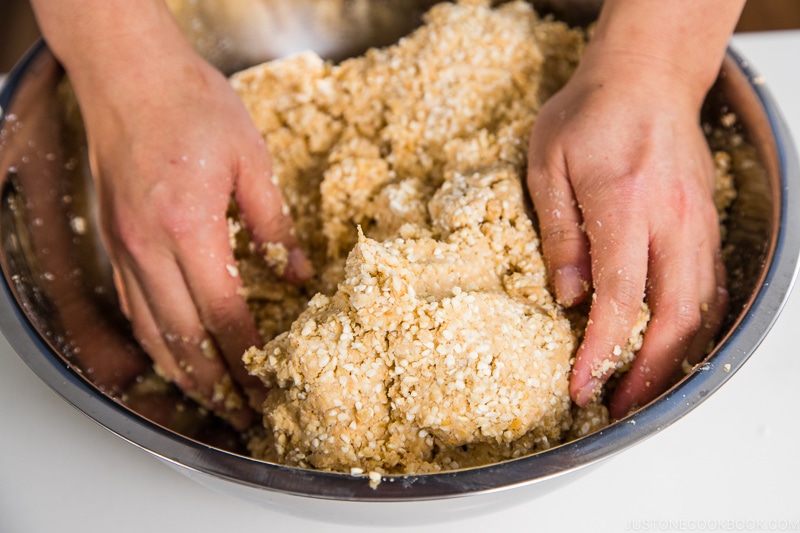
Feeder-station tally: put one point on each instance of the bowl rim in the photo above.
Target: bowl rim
(738, 345)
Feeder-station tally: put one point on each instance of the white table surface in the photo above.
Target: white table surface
(731, 465)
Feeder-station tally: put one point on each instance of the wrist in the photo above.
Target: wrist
(103, 41)
(640, 77)
(679, 43)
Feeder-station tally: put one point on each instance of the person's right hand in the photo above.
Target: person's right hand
(170, 144)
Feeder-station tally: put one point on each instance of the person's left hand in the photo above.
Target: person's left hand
(623, 184)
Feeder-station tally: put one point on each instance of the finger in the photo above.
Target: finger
(169, 329)
(149, 337)
(713, 309)
(619, 270)
(216, 291)
(564, 244)
(265, 213)
(121, 292)
(676, 325)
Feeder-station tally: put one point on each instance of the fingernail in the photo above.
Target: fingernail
(570, 285)
(589, 392)
(298, 267)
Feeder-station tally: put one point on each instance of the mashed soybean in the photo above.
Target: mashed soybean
(428, 339)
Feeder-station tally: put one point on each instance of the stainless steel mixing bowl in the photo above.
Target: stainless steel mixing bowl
(58, 309)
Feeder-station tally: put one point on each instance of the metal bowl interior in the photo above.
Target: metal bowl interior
(59, 312)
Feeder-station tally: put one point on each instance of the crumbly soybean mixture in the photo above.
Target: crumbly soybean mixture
(428, 339)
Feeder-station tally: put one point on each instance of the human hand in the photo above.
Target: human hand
(623, 184)
(170, 143)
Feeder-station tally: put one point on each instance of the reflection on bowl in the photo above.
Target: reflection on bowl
(59, 312)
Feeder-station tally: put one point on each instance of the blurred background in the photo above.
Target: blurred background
(18, 27)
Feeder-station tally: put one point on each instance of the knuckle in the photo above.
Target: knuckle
(617, 307)
(626, 302)
(163, 221)
(627, 189)
(563, 245)
(680, 202)
(637, 181)
(273, 226)
(180, 219)
(624, 291)
(119, 228)
(562, 234)
(222, 313)
(685, 317)
(558, 230)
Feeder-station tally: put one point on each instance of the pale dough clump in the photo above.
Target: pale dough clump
(428, 339)
(438, 338)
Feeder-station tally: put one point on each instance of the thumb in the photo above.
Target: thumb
(266, 214)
